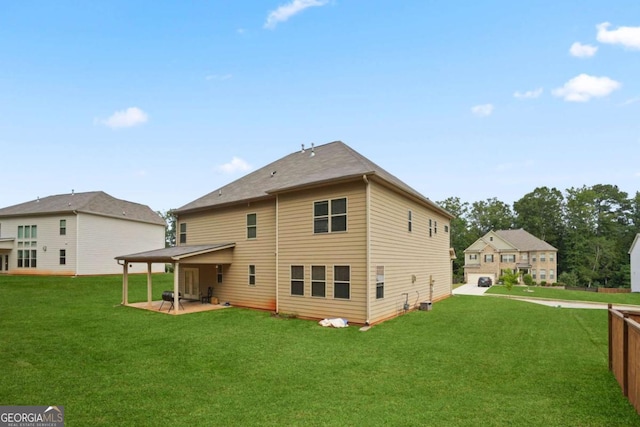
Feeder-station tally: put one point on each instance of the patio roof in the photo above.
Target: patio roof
(175, 253)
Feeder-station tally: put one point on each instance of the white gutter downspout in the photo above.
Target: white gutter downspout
(368, 237)
(277, 255)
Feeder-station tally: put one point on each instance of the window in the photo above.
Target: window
(507, 258)
(524, 256)
(219, 273)
(341, 281)
(435, 227)
(297, 280)
(551, 275)
(543, 274)
(334, 219)
(63, 227)
(533, 274)
(318, 281)
(379, 282)
(488, 258)
(430, 229)
(491, 238)
(551, 257)
(446, 228)
(183, 232)
(252, 226)
(63, 256)
(473, 257)
(27, 258)
(533, 258)
(543, 257)
(252, 275)
(409, 222)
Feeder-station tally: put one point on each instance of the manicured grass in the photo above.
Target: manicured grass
(470, 361)
(561, 294)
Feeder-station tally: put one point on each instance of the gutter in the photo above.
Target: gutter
(368, 237)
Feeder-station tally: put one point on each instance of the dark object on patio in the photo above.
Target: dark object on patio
(206, 299)
(167, 296)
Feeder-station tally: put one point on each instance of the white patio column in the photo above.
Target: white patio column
(176, 285)
(125, 283)
(149, 284)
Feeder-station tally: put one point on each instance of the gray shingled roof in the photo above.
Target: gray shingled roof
(174, 253)
(325, 163)
(94, 202)
(524, 241)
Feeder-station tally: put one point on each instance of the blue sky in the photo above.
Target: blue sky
(161, 102)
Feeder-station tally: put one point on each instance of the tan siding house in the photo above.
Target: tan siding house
(515, 250)
(320, 233)
(76, 234)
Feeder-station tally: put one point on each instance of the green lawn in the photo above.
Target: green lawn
(561, 294)
(470, 361)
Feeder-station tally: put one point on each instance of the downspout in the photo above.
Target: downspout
(277, 255)
(368, 237)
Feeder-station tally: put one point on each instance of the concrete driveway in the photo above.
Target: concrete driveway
(469, 289)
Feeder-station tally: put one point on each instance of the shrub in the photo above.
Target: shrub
(569, 279)
(543, 283)
(528, 280)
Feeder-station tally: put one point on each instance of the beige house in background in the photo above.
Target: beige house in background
(510, 249)
(76, 234)
(321, 233)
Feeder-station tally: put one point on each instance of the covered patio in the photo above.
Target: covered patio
(220, 253)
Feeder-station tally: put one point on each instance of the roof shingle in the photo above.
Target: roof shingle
(524, 241)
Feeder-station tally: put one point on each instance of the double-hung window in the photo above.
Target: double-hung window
(318, 281)
(330, 216)
(252, 226)
(252, 275)
(342, 281)
(63, 227)
(183, 232)
(488, 258)
(380, 282)
(297, 280)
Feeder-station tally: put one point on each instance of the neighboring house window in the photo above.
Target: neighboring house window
(410, 222)
(183, 232)
(219, 273)
(297, 280)
(63, 227)
(252, 275)
(551, 257)
(318, 281)
(551, 275)
(63, 256)
(252, 226)
(491, 238)
(435, 227)
(488, 258)
(543, 274)
(533, 258)
(446, 228)
(330, 216)
(379, 282)
(543, 257)
(508, 258)
(524, 256)
(27, 258)
(533, 274)
(473, 257)
(341, 281)
(430, 228)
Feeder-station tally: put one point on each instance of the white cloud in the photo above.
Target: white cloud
(584, 87)
(235, 165)
(482, 110)
(626, 36)
(286, 11)
(528, 94)
(130, 117)
(219, 76)
(580, 50)
(630, 101)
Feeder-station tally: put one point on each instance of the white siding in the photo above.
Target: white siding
(101, 239)
(635, 265)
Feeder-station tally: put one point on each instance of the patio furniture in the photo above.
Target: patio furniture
(206, 299)
(167, 296)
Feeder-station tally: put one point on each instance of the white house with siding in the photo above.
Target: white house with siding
(634, 254)
(322, 232)
(76, 234)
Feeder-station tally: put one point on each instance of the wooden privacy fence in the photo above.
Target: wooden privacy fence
(624, 352)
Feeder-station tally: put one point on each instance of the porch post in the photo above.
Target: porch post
(176, 286)
(125, 283)
(149, 284)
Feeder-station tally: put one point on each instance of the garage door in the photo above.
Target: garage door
(472, 278)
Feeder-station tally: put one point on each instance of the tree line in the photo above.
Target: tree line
(592, 228)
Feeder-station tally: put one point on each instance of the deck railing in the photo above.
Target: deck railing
(624, 352)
